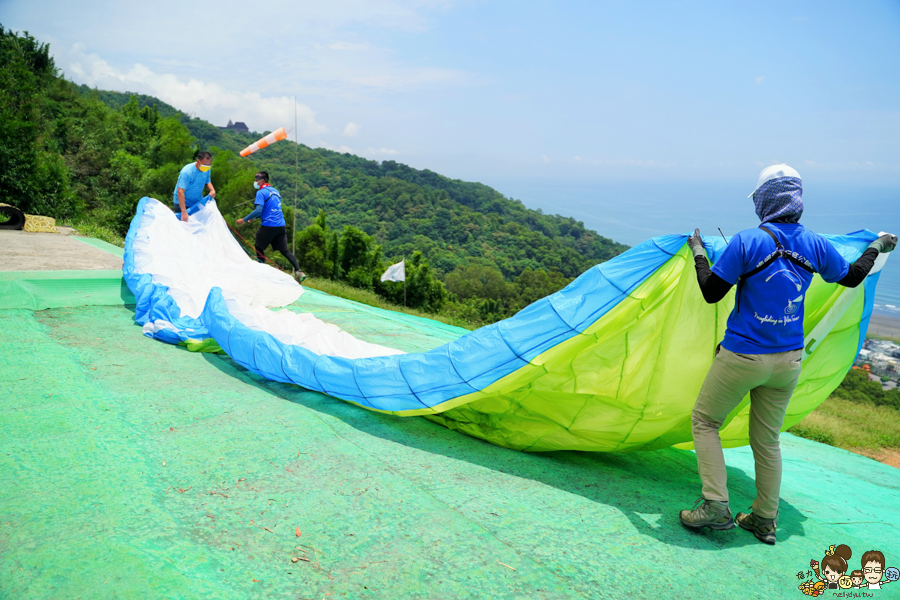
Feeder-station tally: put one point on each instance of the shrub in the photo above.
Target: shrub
(813, 434)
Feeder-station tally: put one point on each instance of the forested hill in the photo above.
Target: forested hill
(87, 156)
(118, 100)
(452, 222)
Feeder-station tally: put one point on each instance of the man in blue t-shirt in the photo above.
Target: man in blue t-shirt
(273, 229)
(761, 353)
(191, 181)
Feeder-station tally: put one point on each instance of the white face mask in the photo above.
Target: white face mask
(256, 184)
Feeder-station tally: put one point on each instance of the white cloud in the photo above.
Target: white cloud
(624, 162)
(834, 166)
(208, 101)
(339, 58)
(321, 48)
(402, 78)
(373, 153)
(759, 79)
(546, 159)
(351, 129)
(381, 152)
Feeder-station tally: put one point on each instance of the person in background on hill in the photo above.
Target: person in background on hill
(273, 229)
(761, 353)
(191, 181)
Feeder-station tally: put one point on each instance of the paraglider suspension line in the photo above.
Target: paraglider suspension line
(253, 253)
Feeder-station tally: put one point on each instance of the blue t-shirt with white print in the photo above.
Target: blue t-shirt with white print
(192, 180)
(768, 312)
(270, 200)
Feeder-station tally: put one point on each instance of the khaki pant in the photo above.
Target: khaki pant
(770, 379)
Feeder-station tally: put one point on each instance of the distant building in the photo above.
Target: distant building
(239, 126)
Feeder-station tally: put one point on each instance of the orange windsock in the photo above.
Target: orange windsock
(278, 134)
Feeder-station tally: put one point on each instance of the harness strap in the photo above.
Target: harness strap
(780, 252)
(273, 193)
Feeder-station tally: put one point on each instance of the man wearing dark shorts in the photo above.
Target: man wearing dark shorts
(273, 230)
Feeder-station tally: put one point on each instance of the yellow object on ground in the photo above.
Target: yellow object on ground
(13, 218)
(40, 224)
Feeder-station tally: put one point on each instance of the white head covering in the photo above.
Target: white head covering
(774, 172)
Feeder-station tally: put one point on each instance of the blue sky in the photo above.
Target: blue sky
(519, 91)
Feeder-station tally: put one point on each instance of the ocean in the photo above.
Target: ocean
(631, 212)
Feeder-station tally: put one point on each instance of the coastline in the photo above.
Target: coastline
(882, 325)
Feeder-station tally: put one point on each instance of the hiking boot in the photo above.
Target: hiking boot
(300, 276)
(763, 529)
(708, 513)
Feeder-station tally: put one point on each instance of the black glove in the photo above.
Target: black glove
(695, 243)
(885, 243)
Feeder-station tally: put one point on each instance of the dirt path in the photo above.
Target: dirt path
(888, 456)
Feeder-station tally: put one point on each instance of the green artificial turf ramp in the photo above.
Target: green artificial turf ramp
(38, 290)
(136, 469)
(106, 246)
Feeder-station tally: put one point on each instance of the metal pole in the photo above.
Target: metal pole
(296, 181)
(404, 281)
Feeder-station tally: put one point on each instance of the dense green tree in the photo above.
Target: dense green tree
(159, 183)
(116, 100)
(479, 281)
(138, 127)
(857, 387)
(174, 143)
(422, 289)
(232, 176)
(360, 258)
(313, 249)
(533, 285)
(31, 175)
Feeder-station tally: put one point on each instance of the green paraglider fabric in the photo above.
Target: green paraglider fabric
(629, 382)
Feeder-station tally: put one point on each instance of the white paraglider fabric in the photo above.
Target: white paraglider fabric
(193, 257)
(190, 258)
(304, 330)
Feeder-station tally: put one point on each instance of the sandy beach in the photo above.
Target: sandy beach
(884, 326)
